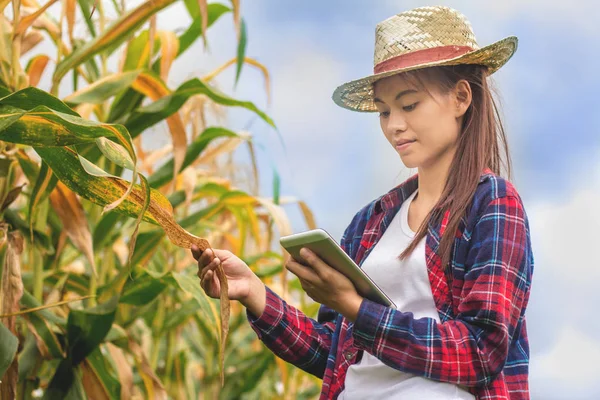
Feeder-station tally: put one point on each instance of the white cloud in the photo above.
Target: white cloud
(564, 237)
(571, 363)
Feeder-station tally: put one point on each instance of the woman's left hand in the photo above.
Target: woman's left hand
(326, 285)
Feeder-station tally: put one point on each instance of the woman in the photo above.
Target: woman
(450, 246)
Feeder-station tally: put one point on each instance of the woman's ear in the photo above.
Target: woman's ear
(462, 97)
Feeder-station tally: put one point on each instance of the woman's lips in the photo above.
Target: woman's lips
(404, 146)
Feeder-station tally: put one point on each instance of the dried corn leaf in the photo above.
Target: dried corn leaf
(11, 292)
(70, 211)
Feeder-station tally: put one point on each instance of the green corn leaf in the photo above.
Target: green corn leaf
(215, 11)
(141, 288)
(147, 116)
(86, 9)
(146, 245)
(191, 285)
(87, 328)
(8, 348)
(180, 315)
(241, 51)
(33, 117)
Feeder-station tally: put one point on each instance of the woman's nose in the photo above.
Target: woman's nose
(396, 122)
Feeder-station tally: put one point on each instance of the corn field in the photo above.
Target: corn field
(99, 294)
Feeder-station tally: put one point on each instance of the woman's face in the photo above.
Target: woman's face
(423, 129)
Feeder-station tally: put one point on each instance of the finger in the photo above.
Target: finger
(205, 258)
(318, 265)
(306, 284)
(302, 271)
(205, 283)
(211, 266)
(210, 283)
(196, 253)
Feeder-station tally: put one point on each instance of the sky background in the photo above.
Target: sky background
(338, 161)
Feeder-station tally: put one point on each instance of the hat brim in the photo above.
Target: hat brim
(357, 95)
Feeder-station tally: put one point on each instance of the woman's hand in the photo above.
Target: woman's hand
(326, 285)
(243, 284)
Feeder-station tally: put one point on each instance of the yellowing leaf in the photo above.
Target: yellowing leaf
(155, 89)
(237, 17)
(123, 369)
(225, 312)
(44, 23)
(27, 21)
(12, 285)
(29, 3)
(189, 177)
(30, 40)
(151, 39)
(71, 213)
(92, 384)
(203, 5)
(278, 214)
(102, 188)
(150, 86)
(102, 89)
(306, 211)
(55, 124)
(254, 227)
(154, 388)
(169, 45)
(36, 68)
(249, 61)
(70, 8)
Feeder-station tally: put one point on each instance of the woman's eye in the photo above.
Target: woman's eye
(384, 114)
(410, 108)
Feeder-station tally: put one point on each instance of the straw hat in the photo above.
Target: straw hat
(419, 38)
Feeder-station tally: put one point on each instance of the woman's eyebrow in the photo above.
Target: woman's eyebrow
(402, 93)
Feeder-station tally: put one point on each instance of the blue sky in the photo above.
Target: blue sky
(338, 161)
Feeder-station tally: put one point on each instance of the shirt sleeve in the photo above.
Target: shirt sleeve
(471, 349)
(294, 337)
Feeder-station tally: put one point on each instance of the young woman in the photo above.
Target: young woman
(450, 246)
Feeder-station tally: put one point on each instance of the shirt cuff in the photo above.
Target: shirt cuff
(271, 316)
(368, 324)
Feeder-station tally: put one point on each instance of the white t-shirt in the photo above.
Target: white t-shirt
(407, 284)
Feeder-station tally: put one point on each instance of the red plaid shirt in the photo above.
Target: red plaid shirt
(480, 342)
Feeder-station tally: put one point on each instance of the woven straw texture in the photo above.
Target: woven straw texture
(420, 29)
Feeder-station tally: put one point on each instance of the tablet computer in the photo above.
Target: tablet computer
(323, 245)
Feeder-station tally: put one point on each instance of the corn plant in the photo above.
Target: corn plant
(99, 297)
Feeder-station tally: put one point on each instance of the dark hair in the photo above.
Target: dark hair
(479, 146)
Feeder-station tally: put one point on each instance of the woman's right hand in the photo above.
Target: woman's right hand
(243, 284)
